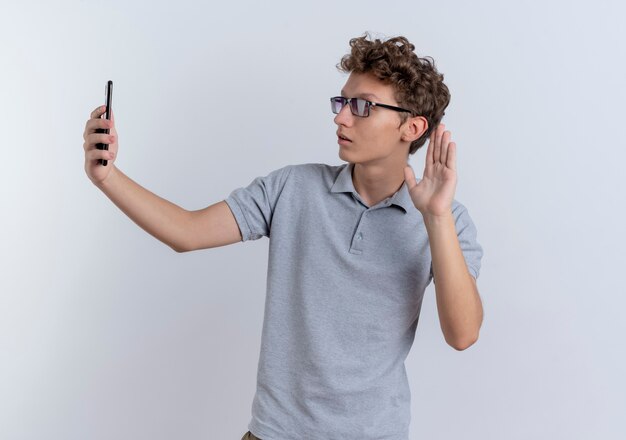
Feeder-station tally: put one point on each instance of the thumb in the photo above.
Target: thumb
(409, 177)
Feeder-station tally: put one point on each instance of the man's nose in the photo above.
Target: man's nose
(344, 117)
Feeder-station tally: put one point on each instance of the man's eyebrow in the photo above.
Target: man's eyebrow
(362, 95)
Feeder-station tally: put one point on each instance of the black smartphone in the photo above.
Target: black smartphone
(108, 92)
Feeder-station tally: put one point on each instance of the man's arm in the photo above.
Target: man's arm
(458, 301)
(178, 228)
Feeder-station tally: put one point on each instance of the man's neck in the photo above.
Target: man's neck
(375, 183)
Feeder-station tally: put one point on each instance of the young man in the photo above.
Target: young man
(352, 249)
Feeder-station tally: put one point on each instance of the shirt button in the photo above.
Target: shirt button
(359, 237)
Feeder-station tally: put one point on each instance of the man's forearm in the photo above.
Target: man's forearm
(458, 302)
(160, 218)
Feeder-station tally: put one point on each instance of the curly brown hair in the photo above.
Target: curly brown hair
(417, 84)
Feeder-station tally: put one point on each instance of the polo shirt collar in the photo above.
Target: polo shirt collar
(343, 183)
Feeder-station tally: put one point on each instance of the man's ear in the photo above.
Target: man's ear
(414, 128)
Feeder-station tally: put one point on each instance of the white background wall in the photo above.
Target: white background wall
(107, 333)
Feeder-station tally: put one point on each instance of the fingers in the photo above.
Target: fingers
(440, 141)
(96, 154)
(98, 112)
(97, 124)
(451, 161)
(430, 158)
(437, 143)
(93, 125)
(445, 141)
(97, 138)
(409, 177)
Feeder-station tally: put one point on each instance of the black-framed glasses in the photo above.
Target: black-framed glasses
(358, 106)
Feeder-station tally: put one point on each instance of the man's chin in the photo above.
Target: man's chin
(345, 157)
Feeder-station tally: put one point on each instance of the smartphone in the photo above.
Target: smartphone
(108, 92)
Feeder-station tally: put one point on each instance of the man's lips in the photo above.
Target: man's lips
(342, 137)
(343, 142)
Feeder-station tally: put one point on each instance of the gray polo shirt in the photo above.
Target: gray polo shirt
(345, 284)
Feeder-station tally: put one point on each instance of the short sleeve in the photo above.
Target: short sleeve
(254, 204)
(467, 236)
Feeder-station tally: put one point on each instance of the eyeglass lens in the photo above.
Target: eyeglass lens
(358, 106)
